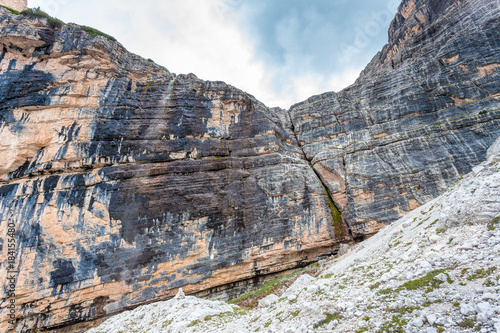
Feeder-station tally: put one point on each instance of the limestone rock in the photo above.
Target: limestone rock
(126, 182)
(422, 113)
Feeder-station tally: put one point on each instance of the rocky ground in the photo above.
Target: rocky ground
(435, 270)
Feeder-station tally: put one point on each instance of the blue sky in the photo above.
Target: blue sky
(280, 51)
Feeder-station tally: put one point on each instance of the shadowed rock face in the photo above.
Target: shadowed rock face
(125, 181)
(421, 114)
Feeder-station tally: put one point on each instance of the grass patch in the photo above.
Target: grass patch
(268, 287)
(425, 281)
(493, 224)
(56, 23)
(38, 13)
(433, 223)
(95, 32)
(194, 323)
(488, 283)
(361, 330)
(386, 291)
(467, 323)
(329, 318)
(406, 309)
(395, 326)
(481, 273)
(13, 11)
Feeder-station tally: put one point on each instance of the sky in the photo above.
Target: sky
(280, 51)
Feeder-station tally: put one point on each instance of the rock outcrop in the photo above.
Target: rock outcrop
(420, 115)
(124, 182)
(432, 271)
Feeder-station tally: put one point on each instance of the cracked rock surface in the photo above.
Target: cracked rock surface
(126, 182)
(428, 272)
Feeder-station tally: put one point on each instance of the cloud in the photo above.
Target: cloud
(279, 51)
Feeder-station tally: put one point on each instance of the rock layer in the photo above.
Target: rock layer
(421, 114)
(125, 181)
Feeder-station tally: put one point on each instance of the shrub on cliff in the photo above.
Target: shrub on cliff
(95, 32)
(13, 11)
(37, 12)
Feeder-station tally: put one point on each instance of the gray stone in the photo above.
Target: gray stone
(151, 181)
(268, 300)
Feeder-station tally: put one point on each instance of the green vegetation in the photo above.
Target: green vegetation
(13, 11)
(95, 32)
(295, 313)
(395, 326)
(433, 223)
(194, 323)
(338, 226)
(55, 22)
(494, 223)
(37, 12)
(467, 323)
(385, 291)
(440, 231)
(481, 273)
(329, 318)
(166, 323)
(425, 281)
(488, 283)
(267, 288)
(407, 309)
(361, 330)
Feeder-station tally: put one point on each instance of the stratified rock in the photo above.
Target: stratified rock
(126, 182)
(422, 113)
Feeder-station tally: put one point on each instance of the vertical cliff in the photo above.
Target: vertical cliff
(124, 181)
(422, 113)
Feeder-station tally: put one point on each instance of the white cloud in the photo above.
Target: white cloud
(202, 37)
(343, 80)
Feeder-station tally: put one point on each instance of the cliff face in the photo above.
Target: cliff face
(421, 114)
(125, 181)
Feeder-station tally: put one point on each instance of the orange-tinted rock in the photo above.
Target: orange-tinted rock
(125, 182)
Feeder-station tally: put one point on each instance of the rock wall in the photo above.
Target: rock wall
(124, 181)
(422, 113)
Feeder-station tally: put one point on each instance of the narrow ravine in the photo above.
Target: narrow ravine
(340, 227)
